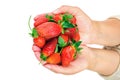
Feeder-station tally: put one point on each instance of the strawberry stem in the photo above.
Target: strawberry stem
(29, 23)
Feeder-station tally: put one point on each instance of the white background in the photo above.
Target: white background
(17, 61)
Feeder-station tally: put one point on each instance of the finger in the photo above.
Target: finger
(37, 54)
(71, 9)
(60, 69)
(35, 48)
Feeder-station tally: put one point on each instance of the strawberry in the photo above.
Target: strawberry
(38, 16)
(73, 20)
(73, 33)
(63, 40)
(49, 48)
(67, 55)
(39, 41)
(57, 17)
(49, 30)
(76, 36)
(54, 58)
(70, 31)
(69, 52)
(40, 19)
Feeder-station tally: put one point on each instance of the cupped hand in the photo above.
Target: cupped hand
(84, 23)
(83, 61)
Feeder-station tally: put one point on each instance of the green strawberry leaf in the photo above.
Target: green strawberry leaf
(59, 21)
(50, 18)
(67, 17)
(73, 41)
(76, 45)
(63, 31)
(79, 49)
(61, 42)
(43, 57)
(34, 33)
(67, 24)
(56, 49)
(75, 55)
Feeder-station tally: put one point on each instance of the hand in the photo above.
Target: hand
(83, 61)
(85, 24)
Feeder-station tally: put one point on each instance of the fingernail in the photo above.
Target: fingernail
(35, 48)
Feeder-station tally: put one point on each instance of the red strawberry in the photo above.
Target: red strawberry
(49, 30)
(70, 31)
(49, 48)
(69, 52)
(63, 40)
(40, 15)
(65, 37)
(39, 41)
(40, 19)
(73, 33)
(73, 20)
(54, 58)
(76, 36)
(57, 17)
(67, 55)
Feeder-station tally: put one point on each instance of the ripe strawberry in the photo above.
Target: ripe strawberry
(76, 36)
(67, 55)
(40, 19)
(73, 33)
(69, 52)
(57, 17)
(70, 31)
(73, 20)
(54, 58)
(65, 37)
(63, 40)
(49, 30)
(49, 48)
(39, 41)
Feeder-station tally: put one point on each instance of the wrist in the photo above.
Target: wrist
(107, 62)
(95, 32)
(107, 32)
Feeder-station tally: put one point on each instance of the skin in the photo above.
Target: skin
(106, 33)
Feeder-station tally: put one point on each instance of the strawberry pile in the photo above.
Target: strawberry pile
(57, 36)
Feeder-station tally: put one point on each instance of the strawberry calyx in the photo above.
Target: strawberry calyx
(76, 45)
(34, 32)
(43, 57)
(61, 42)
(56, 49)
(50, 18)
